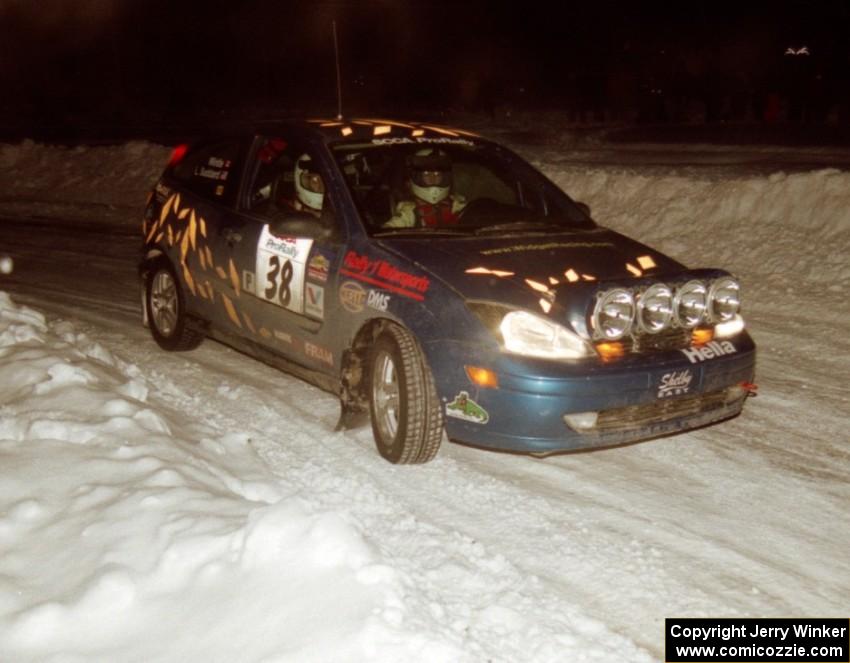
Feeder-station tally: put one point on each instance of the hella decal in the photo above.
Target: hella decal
(709, 351)
(676, 383)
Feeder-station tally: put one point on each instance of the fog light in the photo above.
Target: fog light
(735, 392)
(581, 421)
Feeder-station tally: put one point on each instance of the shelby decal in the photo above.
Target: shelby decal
(378, 300)
(352, 296)
(318, 352)
(314, 302)
(675, 383)
(709, 351)
(463, 407)
(384, 275)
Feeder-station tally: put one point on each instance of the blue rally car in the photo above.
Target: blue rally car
(436, 282)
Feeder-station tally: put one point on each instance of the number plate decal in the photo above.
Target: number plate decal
(281, 266)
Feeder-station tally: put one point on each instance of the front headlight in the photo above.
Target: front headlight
(531, 335)
(724, 299)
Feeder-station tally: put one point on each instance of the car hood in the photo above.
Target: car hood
(516, 269)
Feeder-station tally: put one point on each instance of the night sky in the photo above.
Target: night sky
(77, 63)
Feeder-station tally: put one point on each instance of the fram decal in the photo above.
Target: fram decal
(352, 296)
(709, 351)
(318, 352)
(384, 275)
(463, 407)
(314, 302)
(676, 383)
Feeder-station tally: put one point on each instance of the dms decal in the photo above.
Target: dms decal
(676, 383)
(463, 407)
(709, 351)
(314, 302)
(352, 296)
(384, 275)
(378, 300)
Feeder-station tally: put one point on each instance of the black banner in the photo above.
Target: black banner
(757, 640)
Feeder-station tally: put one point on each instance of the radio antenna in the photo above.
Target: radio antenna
(338, 77)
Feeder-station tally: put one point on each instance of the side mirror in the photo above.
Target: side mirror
(303, 224)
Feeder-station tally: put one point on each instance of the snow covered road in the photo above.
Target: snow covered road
(478, 555)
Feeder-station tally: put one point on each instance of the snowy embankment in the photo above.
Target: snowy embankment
(133, 528)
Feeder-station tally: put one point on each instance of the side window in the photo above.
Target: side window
(212, 170)
(286, 178)
(273, 184)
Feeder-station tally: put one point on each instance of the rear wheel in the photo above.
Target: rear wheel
(166, 309)
(407, 418)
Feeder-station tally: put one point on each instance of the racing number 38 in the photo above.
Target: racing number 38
(279, 278)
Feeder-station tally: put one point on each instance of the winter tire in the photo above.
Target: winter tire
(407, 418)
(166, 310)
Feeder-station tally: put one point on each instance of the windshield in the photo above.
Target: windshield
(463, 188)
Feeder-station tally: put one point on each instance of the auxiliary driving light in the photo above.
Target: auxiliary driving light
(690, 304)
(614, 312)
(724, 299)
(655, 308)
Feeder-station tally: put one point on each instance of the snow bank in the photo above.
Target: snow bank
(775, 230)
(127, 534)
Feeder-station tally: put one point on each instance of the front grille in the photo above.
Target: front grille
(664, 409)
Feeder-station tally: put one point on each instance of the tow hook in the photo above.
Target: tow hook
(751, 388)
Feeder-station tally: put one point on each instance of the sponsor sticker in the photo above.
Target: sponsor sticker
(314, 303)
(378, 300)
(675, 383)
(319, 353)
(352, 296)
(384, 275)
(710, 350)
(463, 407)
(318, 267)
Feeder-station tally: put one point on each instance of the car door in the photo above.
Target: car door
(200, 222)
(279, 276)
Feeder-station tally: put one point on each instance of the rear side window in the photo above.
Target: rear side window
(212, 170)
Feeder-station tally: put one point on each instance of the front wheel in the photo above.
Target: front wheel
(166, 309)
(407, 418)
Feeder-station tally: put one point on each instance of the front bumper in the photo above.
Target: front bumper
(638, 399)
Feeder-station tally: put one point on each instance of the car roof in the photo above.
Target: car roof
(363, 129)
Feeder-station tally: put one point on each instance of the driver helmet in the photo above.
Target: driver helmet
(309, 185)
(431, 175)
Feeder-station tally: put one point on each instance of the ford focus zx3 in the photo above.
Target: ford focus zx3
(440, 286)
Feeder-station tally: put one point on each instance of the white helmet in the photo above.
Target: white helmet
(431, 175)
(309, 186)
